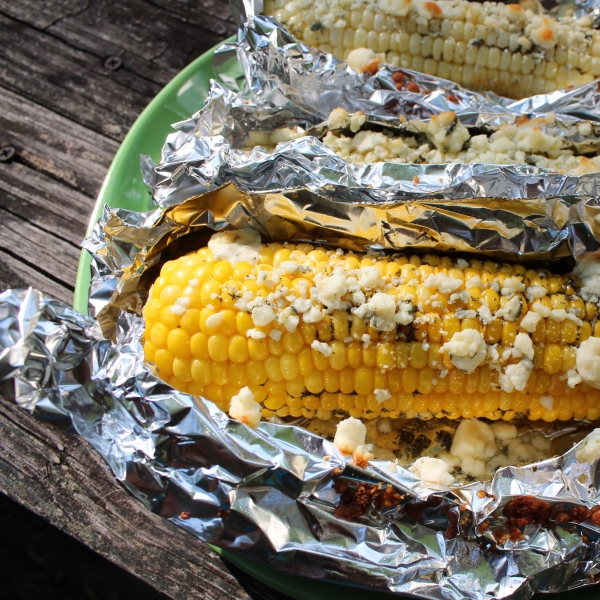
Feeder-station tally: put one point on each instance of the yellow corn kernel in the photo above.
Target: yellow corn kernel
(288, 364)
(219, 373)
(293, 342)
(314, 382)
(552, 358)
(257, 349)
(363, 380)
(337, 360)
(238, 349)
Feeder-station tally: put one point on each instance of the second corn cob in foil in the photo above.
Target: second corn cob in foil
(490, 46)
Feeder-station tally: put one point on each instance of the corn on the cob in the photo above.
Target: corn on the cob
(313, 332)
(482, 46)
(528, 141)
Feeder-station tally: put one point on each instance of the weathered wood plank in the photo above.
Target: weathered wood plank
(44, 203)
(39, 249)
(44, 13)
(151, 41)
(56, 146)
(63, 110)
(143, 30)
(70, 82)
(196, 11)
(63, 479)
(14, 273)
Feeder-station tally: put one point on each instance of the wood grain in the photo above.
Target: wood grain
(65, 112)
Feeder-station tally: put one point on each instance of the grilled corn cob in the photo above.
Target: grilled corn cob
(316, 332)
(527, 141)
(482, 46)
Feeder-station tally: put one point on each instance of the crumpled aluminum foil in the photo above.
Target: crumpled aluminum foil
(268, 493)
(271, 494)
(286, 83)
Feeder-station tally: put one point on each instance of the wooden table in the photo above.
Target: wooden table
(74, 75)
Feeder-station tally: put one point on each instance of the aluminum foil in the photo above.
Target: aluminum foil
(277, 494)
(273, 494)
(286, 83)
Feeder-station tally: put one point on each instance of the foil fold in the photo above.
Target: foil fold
(271, 494)
(286, 83)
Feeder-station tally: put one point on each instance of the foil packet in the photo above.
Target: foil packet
(286, 83)
(280, 494)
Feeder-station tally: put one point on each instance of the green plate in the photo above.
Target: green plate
(124, 188)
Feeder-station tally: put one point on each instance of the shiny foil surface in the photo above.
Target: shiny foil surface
(286, 83)
(269, 493)
(274, 494)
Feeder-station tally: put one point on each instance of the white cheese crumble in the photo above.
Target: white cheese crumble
(447, 133)
(255, 334)
(314, 315)
(512, 285)
(379, 311)
(588, 273)
(405, 314)
(382, 395)
(511, 310)
(236, 246)
(262, 315)
(588, 362)
(467, 349)
(474, 444)
(504, 431)
(178, 310)
(384, 425)
(485, 314)
(589, 450)
(301, 305)
(530, 321)
(432, 470)
(474, 282)
(323, 347)
(368, 277)
(244, 408)
(524, 345)
(350, 434)
(573, 378)
(547, 402)
(541, 309)
(443, 283)
(275, 334)
(338, 119)
(535, 292)
(331, 289)
(364, 60)
(519, 373)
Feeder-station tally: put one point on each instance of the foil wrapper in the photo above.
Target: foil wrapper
(276, 494)
(286, 83)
